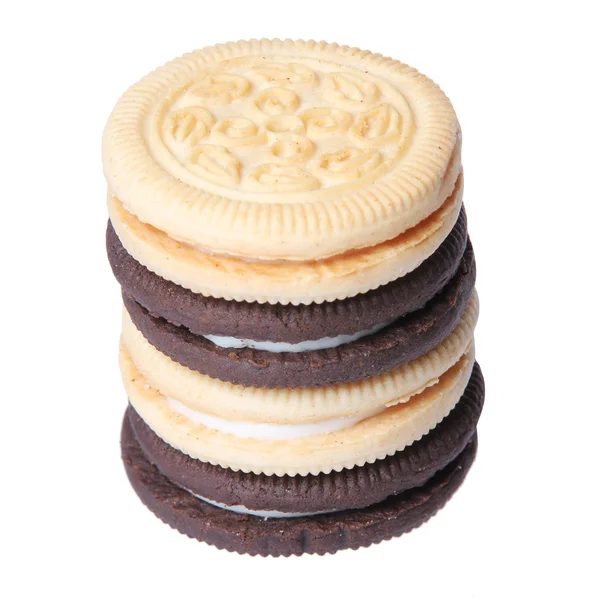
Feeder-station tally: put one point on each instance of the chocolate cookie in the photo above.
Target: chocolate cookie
(204, 315)
(407, 338)
(319, 534)
(347, 489)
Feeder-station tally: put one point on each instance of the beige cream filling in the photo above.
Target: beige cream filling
(263, 514)
(305, 346)
(269, 431)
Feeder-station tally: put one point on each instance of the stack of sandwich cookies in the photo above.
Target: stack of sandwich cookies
(286, 224)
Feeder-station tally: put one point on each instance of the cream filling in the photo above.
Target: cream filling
(264, 514)
(268, 431)
(306, 346)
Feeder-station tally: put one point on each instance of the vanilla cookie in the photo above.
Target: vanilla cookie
(294, 150)
(295, 449)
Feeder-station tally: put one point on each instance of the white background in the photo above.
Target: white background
(523, 77)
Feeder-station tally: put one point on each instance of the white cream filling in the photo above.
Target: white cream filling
(306, 346)
(267, 431)
(265, 514)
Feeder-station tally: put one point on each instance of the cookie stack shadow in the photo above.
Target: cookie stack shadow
(299, 401)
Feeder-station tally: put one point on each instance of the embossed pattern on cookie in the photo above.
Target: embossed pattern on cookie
(265, 108)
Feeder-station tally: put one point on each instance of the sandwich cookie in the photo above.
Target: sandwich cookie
(382, 350)
(295, 449)
(282, 150)
(303, 326)
(318, 534)
(272, 496)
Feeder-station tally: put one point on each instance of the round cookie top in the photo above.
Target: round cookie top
(282, 149)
